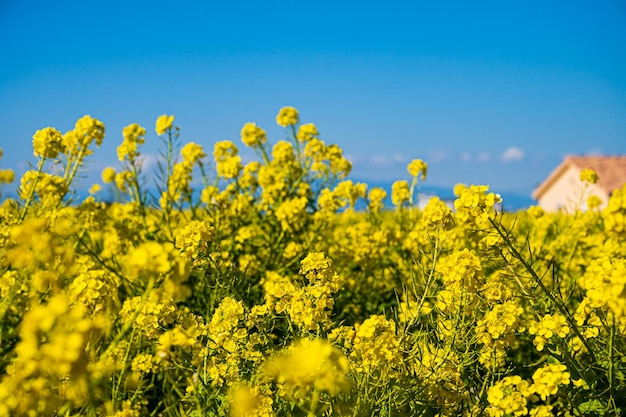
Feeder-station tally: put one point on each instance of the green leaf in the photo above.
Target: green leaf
(593, 407)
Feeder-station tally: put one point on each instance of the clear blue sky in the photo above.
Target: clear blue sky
(489, 92)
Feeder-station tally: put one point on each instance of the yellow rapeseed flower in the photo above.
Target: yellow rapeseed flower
(417, 167)
(400, 193)
(192, 153)
(133, 136)
(7, 176)
(310, 364)
(108, 175)
(249, 402)
(589, 175)
(48, 143)
(88, 129)
(163, 123)
(252, 135)
(287, 116)
(509, 396)
(306, 132)
(548, 378)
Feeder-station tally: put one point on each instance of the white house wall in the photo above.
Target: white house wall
(568, 193)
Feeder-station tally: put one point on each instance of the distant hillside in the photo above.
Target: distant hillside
(511, 200)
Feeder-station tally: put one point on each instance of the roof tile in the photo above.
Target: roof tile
(611, 170)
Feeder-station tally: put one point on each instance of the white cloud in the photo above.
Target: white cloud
(394, 159)
(512, 154)
(149, 162)
(466, 157)
(483, 157)
(379, 160)
(437, 156)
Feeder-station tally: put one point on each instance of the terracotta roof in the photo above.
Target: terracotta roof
(611, 171)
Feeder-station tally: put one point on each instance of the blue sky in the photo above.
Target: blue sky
(487, 92)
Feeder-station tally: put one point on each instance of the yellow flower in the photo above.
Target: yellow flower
(163, 123)
(417, 167)
(542, 411)
(589, 175)
(252, 135)
(437, 214)
(193, 239)
(148, 316)
(48, 143)
(316, 265)
(605, 283)
(282, 152)
(133, 136)
(550, 325)
(7, 176)
(310, 364)
(350, 192)
(306, 132)
(594, 202)
(509, 397)
(547, 379)
(400, 193)
(94, 188)
(192, 153)
(376, 345)
(108, 175)
(123, 180)
(249, 402)
(230, 167)
(535, 211)
(224, 149)
(614, 214)
(88, 129)
(287, 116)
(501, 322)
(292, 213)
(474, 204)
(376, 197)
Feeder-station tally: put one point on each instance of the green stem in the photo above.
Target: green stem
(264, 155)
(136, 187)
(431, 274)
(69, 178)
(31, 193)
(412, 191)
(314, 401)
(559, 305)
(611, 357)
(296, 143)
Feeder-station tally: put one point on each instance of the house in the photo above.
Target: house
(563, 189)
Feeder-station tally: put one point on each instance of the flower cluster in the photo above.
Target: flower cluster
(48, 143)
(589, 175)
(134, 135)
(282, 287)
(193, 239)
(376, 345)
(549, 326)
(309, 365)
(509, 396)
(474, 204)
(605, 284)
(163, 124)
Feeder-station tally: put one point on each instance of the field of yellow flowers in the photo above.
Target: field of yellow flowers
(265, 289)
